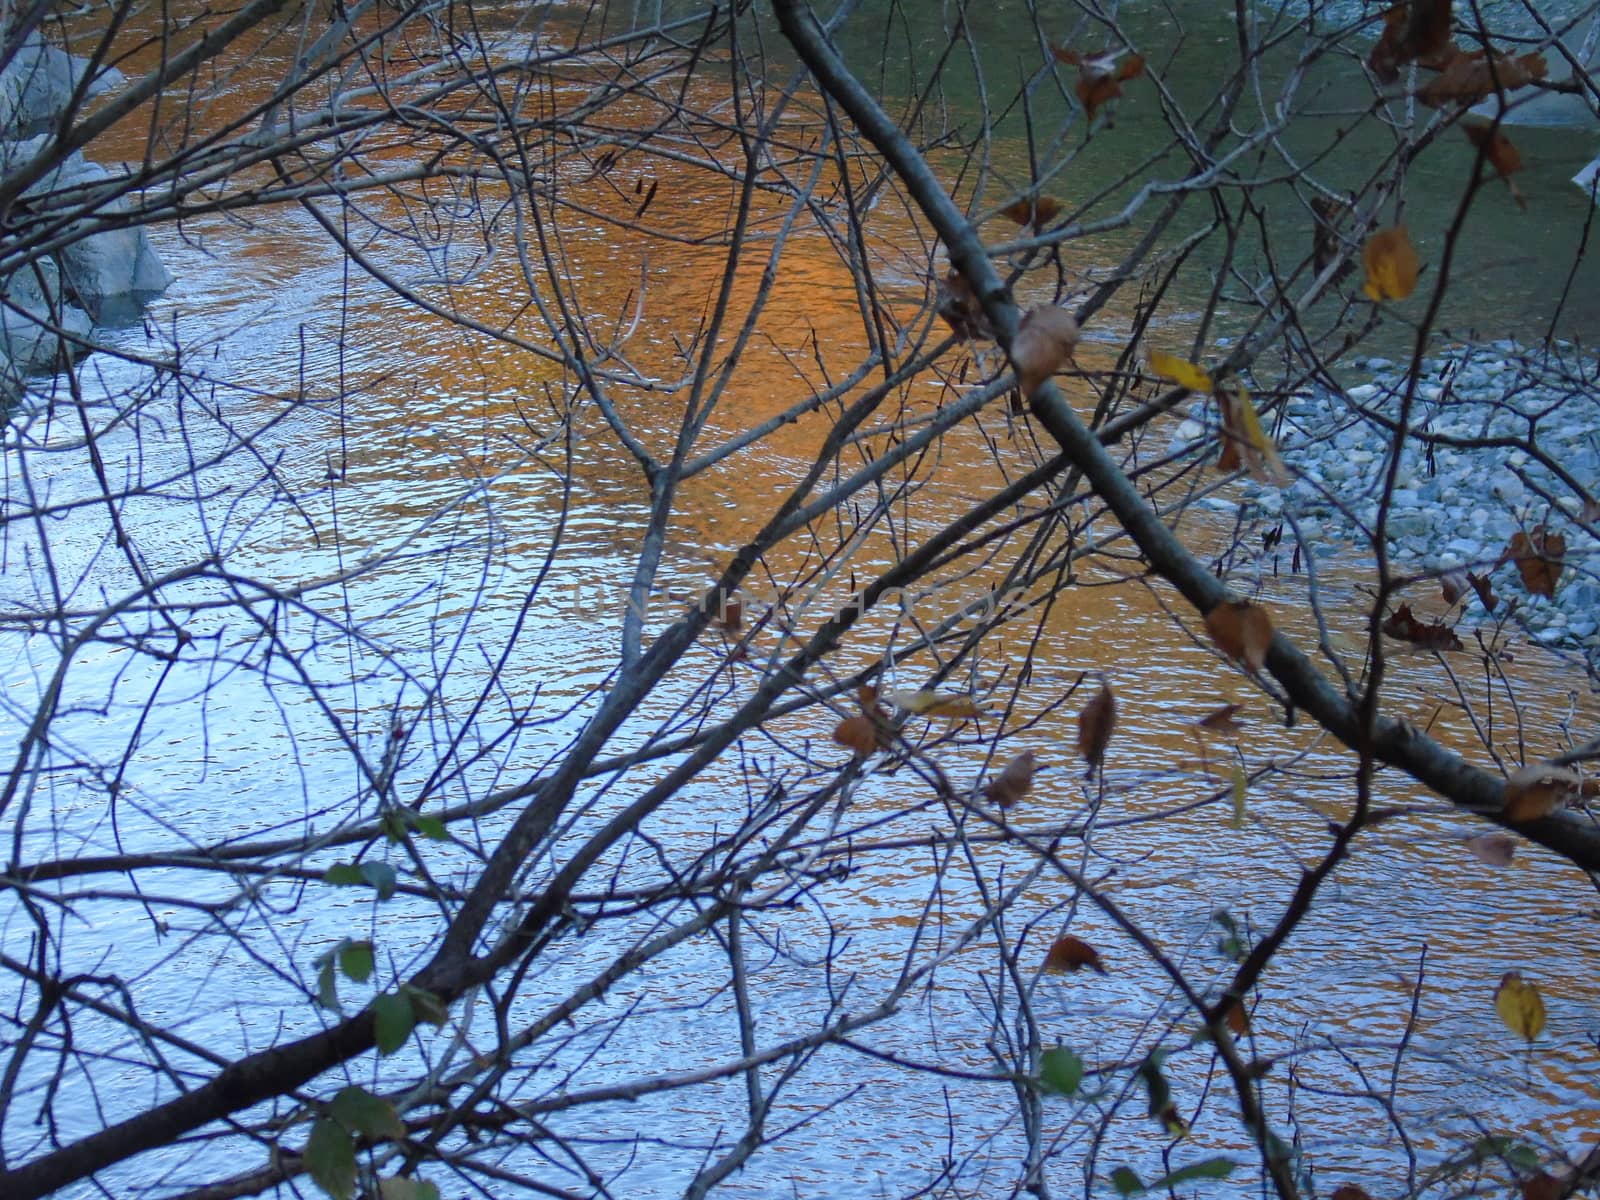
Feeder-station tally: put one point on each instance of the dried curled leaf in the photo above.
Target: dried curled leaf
(1485, 590)
(1033, 210)
(1465, 79)
(1100, 76)
(1014, 781)
(1242, 631)
(1497, 150)
(1540, 553)
(960, 309)
(1350, 1191)
(860, 734)
(1222, 720)
(1520, 1006)
(1404, 625)
(1414, 32)
(1044, 342)
(1537, 791)
(1496, 849)
(1237, 1019)
(1242, 431)
(1184, 374)
(936, 704)
(1391, 264)
(1095, 723)
(1326, 241)
(1069, 953)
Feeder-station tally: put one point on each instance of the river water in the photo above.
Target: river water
(448, 465)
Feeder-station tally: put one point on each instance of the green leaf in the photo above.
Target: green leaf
(355, 960)
(425, 1005)
(1155, 1085)
(330, 1159)
(344, 873)
(393, 1021)
(1126, 1182)
(327, 984)
(1060, 1071)
(1515, 1153)
(433, 829)
(1231, 944)
(398, 1187)
(1206, 1168)
(393, 824)
(381, 876)
(359, 1111)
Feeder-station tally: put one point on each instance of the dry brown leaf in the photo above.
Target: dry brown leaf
(1539, 553)
(1325, 240)
(1231, 457)
(1453, 585)
(1033, 210)
(1539, 790)
(1465, 79)
(960, 309)
(1385, 57)
(731, 616)
(1069, 953)
(1237, 1019)
(1391, 264)
(936, 704)
(1498, 151)
(1242, 631)
(1044, 342)
(1543, 1186)
(1349, 1191)
(867, 697)
(1095, 723)
(860, 734)
(1013, 783)
(1496, 849)
(1415, 32)
(1100, 76)
(1222, 720)
(1485, 590)
(1436, 636)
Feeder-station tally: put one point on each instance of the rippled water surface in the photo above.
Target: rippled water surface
(433, 456)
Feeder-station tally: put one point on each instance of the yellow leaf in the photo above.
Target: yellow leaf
(1520, 1006)
(934, 704)
(1265, 463)
(1184, 374)
(1240, 783)
(1391, 263)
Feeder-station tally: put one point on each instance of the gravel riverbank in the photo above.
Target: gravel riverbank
(1505, 438)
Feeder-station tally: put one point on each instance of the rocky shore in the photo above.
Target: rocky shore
(51, 299)
(1503, 438)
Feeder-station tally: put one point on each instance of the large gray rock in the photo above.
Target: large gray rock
(38, 82)
(39, 329)
(112, 273)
